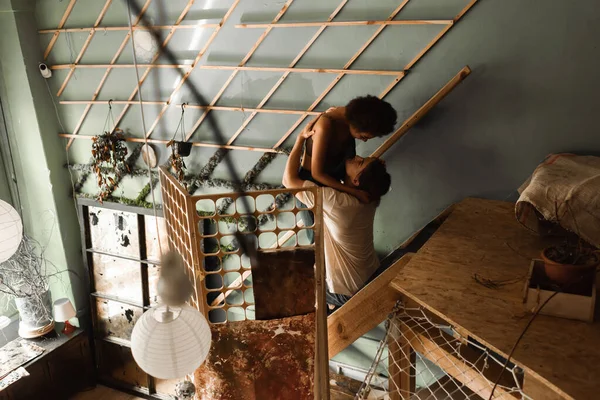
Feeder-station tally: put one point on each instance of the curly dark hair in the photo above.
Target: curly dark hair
(371, 114)
(375, 179)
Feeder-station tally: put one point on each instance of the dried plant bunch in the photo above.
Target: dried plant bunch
(109, 154)
(26, 275)
(177, 163)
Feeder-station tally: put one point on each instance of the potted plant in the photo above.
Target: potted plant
(571, 261)
(183, 148)
(25, 277)
(176, 159)
(108, 156)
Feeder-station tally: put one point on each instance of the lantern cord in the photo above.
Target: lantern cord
(139, 90)
(246, 245)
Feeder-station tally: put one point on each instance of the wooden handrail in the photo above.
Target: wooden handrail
(365, 310)
(422, 111)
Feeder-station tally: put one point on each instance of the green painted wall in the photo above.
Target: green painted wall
(6, 304)
(531, 92)
(4, 186)
(393, 49)
(48, 211)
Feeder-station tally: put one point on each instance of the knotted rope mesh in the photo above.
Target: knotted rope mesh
(424, 360)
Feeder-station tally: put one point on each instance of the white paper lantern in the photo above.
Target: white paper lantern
(11, 231)
(170, 342)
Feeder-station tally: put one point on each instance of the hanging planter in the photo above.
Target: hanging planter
(179, 149)
(108, 157)
(109, 153)
(183, 148)
(178, 166)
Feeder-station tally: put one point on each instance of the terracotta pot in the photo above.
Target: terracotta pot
(565, 274)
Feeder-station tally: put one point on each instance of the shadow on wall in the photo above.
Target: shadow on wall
(482, 141)
(463, 145)
(252, 92)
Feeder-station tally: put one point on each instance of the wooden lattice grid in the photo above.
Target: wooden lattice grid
(282, 231)
(186, 215)
(181, 232)
(185, 226)
(187, 69)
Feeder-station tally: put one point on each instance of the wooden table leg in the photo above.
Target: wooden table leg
(401, 363)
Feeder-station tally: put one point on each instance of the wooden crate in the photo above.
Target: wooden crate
(578, 303)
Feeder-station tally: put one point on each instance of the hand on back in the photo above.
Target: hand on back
(310, 128)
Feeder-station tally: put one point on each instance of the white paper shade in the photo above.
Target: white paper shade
(168, 349)
(63, 310)
(11, 231)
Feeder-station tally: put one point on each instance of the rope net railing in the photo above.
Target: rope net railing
(419, 359)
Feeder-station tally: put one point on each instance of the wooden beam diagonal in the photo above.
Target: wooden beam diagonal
(399, 77)
(60, 25)
(106, 74)
(166, 41)
(236, 70)
(409, 123)
(286, 71)
(342, 74)
(85, 46)
(422, 111)
(435, 346)
(186, 75)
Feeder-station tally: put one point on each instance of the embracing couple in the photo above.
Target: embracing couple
(325, 154)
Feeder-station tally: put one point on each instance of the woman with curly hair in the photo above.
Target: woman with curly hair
(332, 141)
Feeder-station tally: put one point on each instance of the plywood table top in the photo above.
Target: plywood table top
(484, 237)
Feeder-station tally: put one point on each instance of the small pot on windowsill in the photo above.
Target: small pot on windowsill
(183, 148)
(569, 273)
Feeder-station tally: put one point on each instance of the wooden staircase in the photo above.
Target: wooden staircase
(365, 310)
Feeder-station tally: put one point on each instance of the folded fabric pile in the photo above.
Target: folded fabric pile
(565, 188)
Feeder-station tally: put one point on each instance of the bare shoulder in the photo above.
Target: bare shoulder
(324, 123)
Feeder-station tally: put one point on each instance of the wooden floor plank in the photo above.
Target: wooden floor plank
(104, 393)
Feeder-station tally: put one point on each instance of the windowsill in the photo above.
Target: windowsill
(48, 342)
